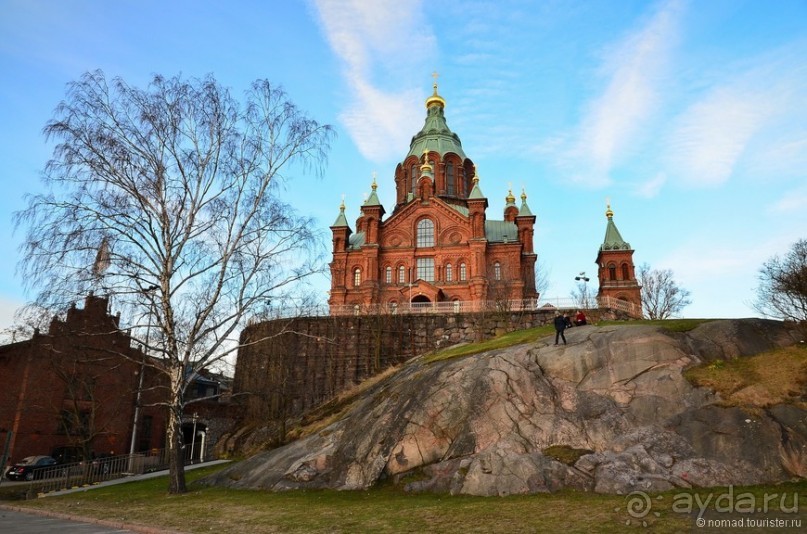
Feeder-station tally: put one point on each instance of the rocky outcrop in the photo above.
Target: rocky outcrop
(482, 424)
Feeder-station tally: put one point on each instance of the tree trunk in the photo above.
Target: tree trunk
(176, 450)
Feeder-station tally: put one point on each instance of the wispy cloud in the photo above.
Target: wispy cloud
(380, 44)
(792, 201)
(751, 117)
(651, 188)
(712, 134)
(635, 69)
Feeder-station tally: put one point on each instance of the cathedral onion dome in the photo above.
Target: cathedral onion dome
(372, 200)
(340, 219)
(435, 136)
(426, 168)
(613, 239)
(510, 199)
(524, 211)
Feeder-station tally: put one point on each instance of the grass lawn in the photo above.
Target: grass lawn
(388, 509)
(531, 335)
(774, 377)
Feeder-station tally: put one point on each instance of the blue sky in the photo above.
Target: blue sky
(690, 116)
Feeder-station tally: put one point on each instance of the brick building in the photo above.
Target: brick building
(437, 246)
(77, 386)
(616, 272)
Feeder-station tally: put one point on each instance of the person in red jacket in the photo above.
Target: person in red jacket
(580, 318)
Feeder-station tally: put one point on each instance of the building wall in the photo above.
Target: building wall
(84, 368)
(287, 367)
(86, 365)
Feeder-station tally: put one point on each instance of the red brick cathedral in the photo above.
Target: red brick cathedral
(437, 248)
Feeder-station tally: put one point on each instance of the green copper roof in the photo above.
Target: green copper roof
(501, 231)
(372, 200)
(613, 239)
(524, 211)
(462, 209)
(435, 135)
(356, 240)
(340, 219)
(476, 192)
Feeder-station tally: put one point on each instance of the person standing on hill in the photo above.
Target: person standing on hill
(560, 326)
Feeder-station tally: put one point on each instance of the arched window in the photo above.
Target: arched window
(425, 233)
(450, 178)
(401, 274)
(449, 273)
(625, 272)
(388, 275)
(462, 272)
(356, 277)
(414, 177)
(497, 271)
(612, 272)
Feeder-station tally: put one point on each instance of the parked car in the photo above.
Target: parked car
(33, 467)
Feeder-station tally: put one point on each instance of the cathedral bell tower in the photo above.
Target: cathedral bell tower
(616, 272)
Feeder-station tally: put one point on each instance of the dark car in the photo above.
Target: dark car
(33, 467)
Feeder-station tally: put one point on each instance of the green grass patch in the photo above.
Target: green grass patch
(774, 377)
(565, 454)
(382, 510)
(509, 339)
(532, 335)
(673, 325)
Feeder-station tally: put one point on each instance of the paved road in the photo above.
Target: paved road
(13, 522)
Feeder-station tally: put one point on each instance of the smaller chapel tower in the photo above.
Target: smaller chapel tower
(616, 272)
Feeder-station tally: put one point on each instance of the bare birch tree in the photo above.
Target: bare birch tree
(166, 200)
(782, 290)
(662, 298)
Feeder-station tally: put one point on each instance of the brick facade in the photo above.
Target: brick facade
(616, 272)
(76, 386)
(438, 244)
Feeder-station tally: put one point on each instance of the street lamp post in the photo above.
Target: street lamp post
(193, 439)
(583, 280)
(140, 383)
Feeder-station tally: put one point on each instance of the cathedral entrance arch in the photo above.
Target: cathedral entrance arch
(420, 299)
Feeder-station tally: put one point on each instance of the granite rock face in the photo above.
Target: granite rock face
(482, 424)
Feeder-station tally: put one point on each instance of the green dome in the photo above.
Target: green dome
(435, 135)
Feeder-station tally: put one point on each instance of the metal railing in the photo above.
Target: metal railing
(449, 307)
(86, 473)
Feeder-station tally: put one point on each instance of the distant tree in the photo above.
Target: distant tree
(542, 273)
(582, 294)
(662, 298)
(782, 290)
(166, 200)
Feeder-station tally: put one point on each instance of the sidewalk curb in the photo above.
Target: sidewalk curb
(143, 529)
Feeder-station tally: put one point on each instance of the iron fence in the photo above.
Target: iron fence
(86, 473)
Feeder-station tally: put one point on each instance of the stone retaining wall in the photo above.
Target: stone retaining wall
(287, 367)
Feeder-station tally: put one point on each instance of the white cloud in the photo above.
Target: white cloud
(793, 201)
(710, 137)
(753, 122)
(636, 67)
(380, 40)
(651, 188)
